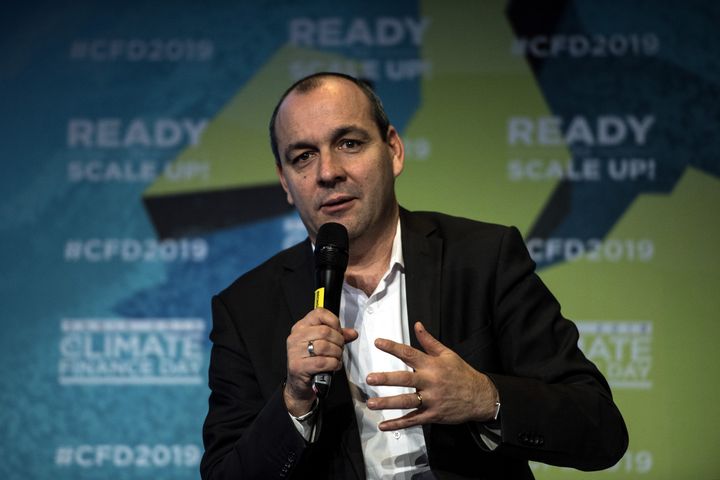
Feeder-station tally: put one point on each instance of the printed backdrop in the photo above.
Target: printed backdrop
(138, 181)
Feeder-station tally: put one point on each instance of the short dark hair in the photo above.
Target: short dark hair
(311, 82)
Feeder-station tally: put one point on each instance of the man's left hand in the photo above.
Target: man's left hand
(448, 390)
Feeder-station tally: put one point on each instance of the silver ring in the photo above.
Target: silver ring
(419, 397)
(311, 348)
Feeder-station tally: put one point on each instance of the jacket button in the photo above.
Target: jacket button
(532, 440)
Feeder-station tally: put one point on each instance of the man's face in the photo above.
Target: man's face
(335, 167)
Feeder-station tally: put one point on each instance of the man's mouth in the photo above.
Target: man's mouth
(335, 203)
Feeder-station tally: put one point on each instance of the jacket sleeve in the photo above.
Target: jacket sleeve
(556, 406)
(245, 435)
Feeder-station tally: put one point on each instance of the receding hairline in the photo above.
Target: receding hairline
(316, 82)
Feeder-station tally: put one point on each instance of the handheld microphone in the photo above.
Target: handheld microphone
(331, 259)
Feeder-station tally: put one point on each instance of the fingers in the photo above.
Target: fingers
(319, 324)
(394, 379)
(411, 419)
(302, 366)
(404, 401)
(326, 351)
(321, 348)
(349, 334)
(418, 414)
(322, 328)
(318, 317)
(429, 343)
(409, 355)
(448, 390)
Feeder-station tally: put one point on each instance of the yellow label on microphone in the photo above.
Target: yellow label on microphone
(320, 297)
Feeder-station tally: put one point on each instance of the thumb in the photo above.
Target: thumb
(431, 345)
(349, 334)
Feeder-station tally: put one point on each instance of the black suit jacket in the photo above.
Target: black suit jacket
(473, 286)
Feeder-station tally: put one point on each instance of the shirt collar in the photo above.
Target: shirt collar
(397, 263)
(396, 255)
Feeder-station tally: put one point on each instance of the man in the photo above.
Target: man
(451, 358)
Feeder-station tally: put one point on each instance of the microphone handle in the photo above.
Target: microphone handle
(327, 295)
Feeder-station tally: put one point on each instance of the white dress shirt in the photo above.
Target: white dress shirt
(402, 453)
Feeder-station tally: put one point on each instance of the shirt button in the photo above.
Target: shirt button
(370, 310)
(396, 434)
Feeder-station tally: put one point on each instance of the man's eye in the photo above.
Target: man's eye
(352, 145)
(302, 158)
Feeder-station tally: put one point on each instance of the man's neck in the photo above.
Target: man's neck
(370, 257)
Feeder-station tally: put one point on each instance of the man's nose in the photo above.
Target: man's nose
(330, 169)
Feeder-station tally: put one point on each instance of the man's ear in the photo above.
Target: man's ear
(283, 182)
(398, 150)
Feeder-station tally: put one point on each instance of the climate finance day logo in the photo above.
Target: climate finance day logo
(622, 350)
(131, 352)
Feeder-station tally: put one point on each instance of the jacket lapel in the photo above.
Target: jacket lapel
(298, 280)
(422, 253)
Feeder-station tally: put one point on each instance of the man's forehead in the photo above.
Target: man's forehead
(337, 97)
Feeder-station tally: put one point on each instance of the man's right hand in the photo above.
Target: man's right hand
(321, 327)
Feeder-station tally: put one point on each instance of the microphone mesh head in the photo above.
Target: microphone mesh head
(331, 246)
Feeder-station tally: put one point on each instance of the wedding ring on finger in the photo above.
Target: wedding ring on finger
(419, 397)
(311, 348)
